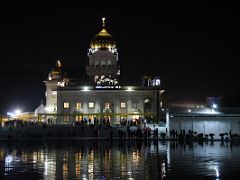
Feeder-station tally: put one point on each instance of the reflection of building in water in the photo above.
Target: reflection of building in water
(85, 160)
(15, 160)
(93, 162)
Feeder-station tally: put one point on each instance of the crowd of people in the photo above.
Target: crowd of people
(19, 123)
(131, 129)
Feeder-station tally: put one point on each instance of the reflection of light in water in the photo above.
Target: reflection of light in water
(78, 170)
(65, 165)
(84, 177)
(90, 170)
(17, 159)
(129, 172)
(78, 158)
(163, 170)
(136, 157)
(214, 166)
(45, 166)
(8, 162)
(24, 156)
(90, 167)
(90, 164)
(107, 160)
(91, 156)
(168, 154)
(35, 157)
(126, 163)
(65, 171)
(217, 174)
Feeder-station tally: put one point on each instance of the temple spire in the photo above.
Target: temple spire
(103, 21)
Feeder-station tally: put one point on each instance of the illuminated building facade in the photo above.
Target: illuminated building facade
(203, 117)
(105, 97)
(103, 67)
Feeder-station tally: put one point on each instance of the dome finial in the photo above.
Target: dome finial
(103, 21)
(58, 64)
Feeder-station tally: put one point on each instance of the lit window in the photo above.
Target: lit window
(78, 105)
(107, 105)
(54, 92)
(66, 105)
(157, 82)
(78, 118)
(91, 104)
(66, 118)
(123, 104)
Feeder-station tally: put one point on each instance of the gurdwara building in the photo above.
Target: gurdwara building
(104, 96)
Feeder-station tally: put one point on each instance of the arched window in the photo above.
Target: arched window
(103, 63)
(96, 63)
(147, 105)
(109, 63)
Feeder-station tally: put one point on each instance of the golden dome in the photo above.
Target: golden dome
(56, 72)
(103, 40)
(57, 69)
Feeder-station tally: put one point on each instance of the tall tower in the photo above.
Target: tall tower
(103, 67)
(55, 79)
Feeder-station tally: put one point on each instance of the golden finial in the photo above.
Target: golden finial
(103, 21)
(58, 64)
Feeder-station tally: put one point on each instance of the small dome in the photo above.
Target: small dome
(40, 110)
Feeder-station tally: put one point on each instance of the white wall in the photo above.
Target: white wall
(207, 124)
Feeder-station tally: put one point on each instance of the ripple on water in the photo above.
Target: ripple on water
(118, 160)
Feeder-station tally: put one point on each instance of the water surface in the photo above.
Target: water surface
(119, 160)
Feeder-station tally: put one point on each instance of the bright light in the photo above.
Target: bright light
(214, 106)
(129, 89)
(17, 112)
(208, 111)
(162, 91)
(146, 100)
(49, 109)
(215, 167)
(85, 88)
(54, 92)
(103, 19)
(8, 160)
(61, 84)
(189, 110)
(157, 82)
(10, 114)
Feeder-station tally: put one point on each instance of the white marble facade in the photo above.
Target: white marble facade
(116, 103)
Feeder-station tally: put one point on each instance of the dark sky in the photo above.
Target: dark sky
(193, 47)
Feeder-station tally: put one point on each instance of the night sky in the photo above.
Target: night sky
(193, 47)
